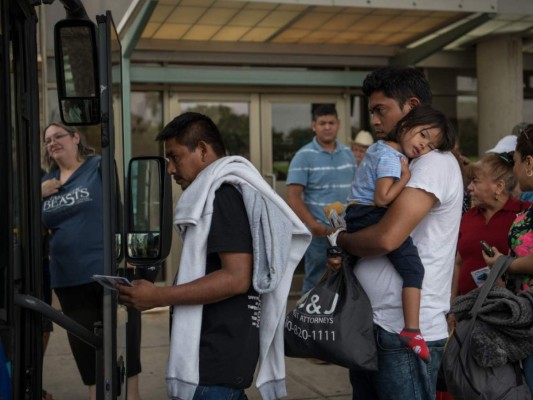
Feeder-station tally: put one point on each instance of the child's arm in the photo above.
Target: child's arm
(387, 189)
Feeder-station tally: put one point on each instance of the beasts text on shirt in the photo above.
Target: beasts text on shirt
(76, 196)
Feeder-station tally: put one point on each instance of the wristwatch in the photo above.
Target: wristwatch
(332, 237)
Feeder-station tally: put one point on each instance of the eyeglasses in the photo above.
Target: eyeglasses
(58, 136)
(507, 157)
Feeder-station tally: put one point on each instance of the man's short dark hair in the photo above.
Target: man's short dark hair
(398, 83)
(190, 128)
(319, 110)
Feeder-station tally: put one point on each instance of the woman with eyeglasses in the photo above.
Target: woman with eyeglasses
(72, 211)
(520, 272)
(490, 217)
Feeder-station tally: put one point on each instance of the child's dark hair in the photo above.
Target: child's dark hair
(319, 110)
(426, 115)
(189, 128)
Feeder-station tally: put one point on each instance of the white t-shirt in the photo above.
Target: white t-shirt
(436, 239)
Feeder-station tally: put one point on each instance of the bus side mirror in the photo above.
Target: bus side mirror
(76, 59)
(149, 211)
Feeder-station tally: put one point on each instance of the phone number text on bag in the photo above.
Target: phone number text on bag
(310, 334)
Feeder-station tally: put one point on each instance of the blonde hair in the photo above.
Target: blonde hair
(497, 167)
(84, 150)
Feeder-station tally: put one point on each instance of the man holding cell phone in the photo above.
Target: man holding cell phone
(221, 321)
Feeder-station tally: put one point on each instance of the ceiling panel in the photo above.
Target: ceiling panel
(346, 38)
(230, 34)
(248, 17)
(161, 12)
(384, 11)
(292, 35)
(171, 31)
(150, 29)
(228, 3)
(396, 39)
(260, 6)
(425, 25)
(313, 20)
(299, 24)
(195, 3)
(278, 19)
(185, 15)
(372, 38)
(341, 22)
(318, 37)
(370, 23)
(201, 32)
(217, 16)
(398, 24)
(291, 7)
(258, 34)
(416, 13)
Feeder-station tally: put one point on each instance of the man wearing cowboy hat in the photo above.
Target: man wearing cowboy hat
(360, 144)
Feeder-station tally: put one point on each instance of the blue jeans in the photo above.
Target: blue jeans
(401, 373)
(213, 392)
(315, 262)
(527, 365)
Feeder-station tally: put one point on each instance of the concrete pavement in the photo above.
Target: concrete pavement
(305, 380)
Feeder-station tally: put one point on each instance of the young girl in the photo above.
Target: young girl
(379, 179)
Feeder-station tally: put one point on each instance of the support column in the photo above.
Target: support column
(443, 83)
(500, 88)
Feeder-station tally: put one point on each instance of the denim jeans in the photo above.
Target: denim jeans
(401, 374)
(527, 365)
(315, 262)
(213, 392)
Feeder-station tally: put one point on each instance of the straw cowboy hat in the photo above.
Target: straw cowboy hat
(364, 138)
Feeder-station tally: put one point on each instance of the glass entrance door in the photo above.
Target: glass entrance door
(266, 129)
(235, 116)
(286, 127)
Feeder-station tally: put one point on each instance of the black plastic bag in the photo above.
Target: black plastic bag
(333, 322)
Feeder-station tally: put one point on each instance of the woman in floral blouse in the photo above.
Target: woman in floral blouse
(520, 272)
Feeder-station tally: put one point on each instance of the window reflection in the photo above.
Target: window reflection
(358, 116)
(146, 123)
(291, 129)
(232, 120)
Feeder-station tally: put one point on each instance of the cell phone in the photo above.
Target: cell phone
(486, 248)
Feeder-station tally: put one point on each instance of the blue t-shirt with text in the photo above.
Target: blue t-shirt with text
(74, 217)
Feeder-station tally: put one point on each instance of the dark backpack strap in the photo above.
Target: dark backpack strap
(497, 270)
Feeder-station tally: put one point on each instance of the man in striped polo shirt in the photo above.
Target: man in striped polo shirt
(320, 173)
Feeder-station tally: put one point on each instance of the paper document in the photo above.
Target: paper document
(110, 281)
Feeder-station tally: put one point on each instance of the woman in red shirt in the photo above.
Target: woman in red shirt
(492, 213)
